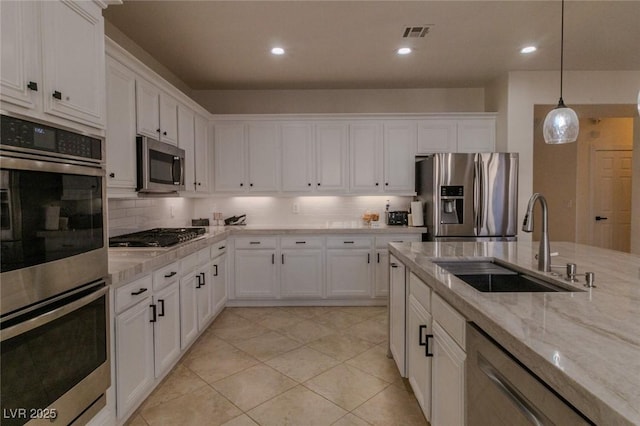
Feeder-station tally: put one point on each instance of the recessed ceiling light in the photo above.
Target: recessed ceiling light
(528, 49)
(404, 51)
(277, 51)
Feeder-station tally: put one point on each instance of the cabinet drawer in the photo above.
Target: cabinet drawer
(301, 242)
(256, 243)
(420, 291)
(189, 263)
(449, 319)
(382, 242)
(166, 275)
(132, 293)
(347, 242)
(218, 248)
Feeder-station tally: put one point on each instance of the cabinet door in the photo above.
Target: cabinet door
(201, 128)
(168, 119)
(348, 273)
(263, 154)
(437, 136)
(397, 297)
(219, 277)
(74, 61)
(204, 296)
(186, 141)
(147, 109)
(399, 156)
(448, 381)
(381, 287)
(365, 147)
(477, 135)
(166, 332)
(121, 126)
(255, 274)
(229, 149)
(419, 353)
(301, 273)
(188, 309)
(134, 355)
(297, 158)
(20, 53)
(331, 140)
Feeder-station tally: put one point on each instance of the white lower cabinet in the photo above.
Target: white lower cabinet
(301, 264)
(420, 343)
(397, 318)
(448, 381)
(195, 295)
(255, 268)
(349, 267)
(381, 285)
(166, 327)
(218, 277)
(134, 352)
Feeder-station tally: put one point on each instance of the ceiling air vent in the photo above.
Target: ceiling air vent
(415, 32)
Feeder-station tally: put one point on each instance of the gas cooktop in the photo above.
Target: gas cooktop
(157, 237)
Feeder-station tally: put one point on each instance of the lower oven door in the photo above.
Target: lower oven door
(55, 360)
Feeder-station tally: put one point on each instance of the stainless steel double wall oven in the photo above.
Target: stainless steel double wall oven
(54, 300)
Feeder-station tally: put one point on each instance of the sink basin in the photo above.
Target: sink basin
(490, 277)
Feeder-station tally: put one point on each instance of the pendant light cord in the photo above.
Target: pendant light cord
(561, 51)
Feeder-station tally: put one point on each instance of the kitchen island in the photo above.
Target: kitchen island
(584, 344)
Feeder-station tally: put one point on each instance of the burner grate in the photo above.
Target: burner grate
(157, 237)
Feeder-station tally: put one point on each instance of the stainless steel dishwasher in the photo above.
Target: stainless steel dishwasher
(500, 391)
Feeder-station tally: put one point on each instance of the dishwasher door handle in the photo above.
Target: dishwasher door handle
(520, 401)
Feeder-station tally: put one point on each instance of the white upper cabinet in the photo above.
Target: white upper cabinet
(229, 164)
(365, 143)
(156, 112)
(121, 126)
(246, 157)
(262, 152)
(186, 141)
(399, 156)
(459, 134)
(297, 157)
(59, 71)
(331, 142)
(202, 153)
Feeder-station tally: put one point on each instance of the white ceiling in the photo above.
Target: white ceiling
(351, 44)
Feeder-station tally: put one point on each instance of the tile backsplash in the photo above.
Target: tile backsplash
(129, 215)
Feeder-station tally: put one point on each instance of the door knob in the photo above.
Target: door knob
(601, 218)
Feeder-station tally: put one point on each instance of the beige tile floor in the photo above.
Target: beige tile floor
(286, 366)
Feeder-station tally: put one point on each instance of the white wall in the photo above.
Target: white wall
(145, 213)
(529, 88)
(341, 101)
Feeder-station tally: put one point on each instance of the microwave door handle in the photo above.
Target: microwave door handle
(176, 171)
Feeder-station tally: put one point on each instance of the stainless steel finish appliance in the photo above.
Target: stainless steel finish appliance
(157, 237)
(160, 166)
(469, 196)
(400, 218)
(53, 299)
(501, 391)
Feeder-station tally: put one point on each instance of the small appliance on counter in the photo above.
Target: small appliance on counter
(236, 220)
(398, 218)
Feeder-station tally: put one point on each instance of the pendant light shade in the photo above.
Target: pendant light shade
(561, 124)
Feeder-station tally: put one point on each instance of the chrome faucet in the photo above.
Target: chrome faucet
(544, 253)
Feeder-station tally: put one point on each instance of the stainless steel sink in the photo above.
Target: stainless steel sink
(491, 277)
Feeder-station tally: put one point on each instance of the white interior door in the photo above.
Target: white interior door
(611, 195)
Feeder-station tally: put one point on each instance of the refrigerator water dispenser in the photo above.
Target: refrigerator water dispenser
(451, 205)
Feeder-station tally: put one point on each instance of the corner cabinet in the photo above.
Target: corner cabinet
(53, 60)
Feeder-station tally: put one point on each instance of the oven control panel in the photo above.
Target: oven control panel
(26, 134)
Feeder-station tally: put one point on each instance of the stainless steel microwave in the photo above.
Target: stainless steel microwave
(160, 166)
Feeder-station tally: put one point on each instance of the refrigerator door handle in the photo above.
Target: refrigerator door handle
(476, 195)
(481, 195)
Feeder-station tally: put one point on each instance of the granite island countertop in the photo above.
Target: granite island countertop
(584, 344)
(127, 263)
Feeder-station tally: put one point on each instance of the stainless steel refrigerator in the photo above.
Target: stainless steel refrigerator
(469, 196)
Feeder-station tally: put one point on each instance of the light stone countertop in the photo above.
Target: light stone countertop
(585, 344)
(126, 264)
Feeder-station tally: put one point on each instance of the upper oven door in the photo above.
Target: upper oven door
(54, 237)
(160, 166)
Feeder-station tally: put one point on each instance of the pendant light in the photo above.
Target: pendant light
(561, 124)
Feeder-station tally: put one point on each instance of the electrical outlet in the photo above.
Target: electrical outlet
(295, 208)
